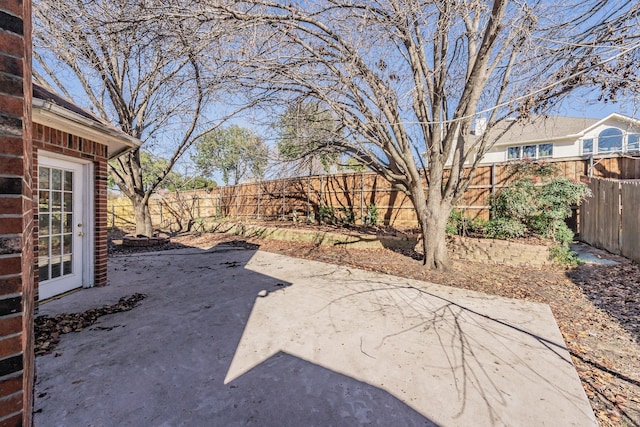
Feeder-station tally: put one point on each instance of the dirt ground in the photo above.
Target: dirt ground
(597, 307)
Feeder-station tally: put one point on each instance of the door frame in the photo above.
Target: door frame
(87, 257)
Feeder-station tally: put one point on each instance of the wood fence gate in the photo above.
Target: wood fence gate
(610, 219)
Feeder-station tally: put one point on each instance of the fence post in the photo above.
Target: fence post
(284, 180)
(259, 194)
(362, 219)
(308, 197)
(235, 191)
(493, 184)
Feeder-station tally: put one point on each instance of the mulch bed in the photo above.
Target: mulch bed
(597, 307)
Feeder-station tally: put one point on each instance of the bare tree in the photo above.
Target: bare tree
(145, 77)
(409, 78)
(304, 139)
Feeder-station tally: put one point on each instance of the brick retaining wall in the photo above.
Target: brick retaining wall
(461, 248)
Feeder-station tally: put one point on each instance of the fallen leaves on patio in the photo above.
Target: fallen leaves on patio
(48, 329)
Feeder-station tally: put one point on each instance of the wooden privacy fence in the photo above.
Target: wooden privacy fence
(347, 196)
(610, 219)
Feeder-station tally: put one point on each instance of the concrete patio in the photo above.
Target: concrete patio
(230, 336)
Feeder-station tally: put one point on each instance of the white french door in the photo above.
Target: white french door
(62, 225)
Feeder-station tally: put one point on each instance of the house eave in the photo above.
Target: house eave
(541, 140)
(54, 116)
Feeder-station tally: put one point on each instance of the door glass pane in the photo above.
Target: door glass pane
(56, 245)
(43, 270)
(43, 224)
(587, 146)
(66, 268)
(68, 181)
(56, 267)
(43, 203)
(66, 264)
(56, 223)
(56, 201)
(43, 246)
(67, 242)
(43, 178)
(68, 202)
(67, 224)
(56, 179)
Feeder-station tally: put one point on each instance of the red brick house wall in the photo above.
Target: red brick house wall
(16, 216)
(56, 141)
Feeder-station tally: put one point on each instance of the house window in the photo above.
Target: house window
(545, 150)
(610, 140)
(514, 153)
(587, 146)
(529, 151)
(633, 142)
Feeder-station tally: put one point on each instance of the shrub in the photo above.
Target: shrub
(535, 168)
(455, 223)
(458, 224)
(541, 209)
(346, 217)
(517, 201)
(371, 219)
(504, 228)
(326, 215)
(563, 255)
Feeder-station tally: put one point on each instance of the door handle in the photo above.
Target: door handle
(81, 234)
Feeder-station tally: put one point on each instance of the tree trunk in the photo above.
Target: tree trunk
(433, 214)
(434, 238)
(142, 216)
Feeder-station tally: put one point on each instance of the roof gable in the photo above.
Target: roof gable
(53, 110)
(540, 128)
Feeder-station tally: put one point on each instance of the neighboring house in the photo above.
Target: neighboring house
(71, 148)
(560, 137)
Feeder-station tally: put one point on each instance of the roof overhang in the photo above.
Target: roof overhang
(57, 117)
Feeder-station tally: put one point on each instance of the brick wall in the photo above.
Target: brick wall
(60, 142)
(16, 216)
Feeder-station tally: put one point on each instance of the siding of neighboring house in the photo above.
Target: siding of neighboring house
(16, 219)
(563, 148)
(56, 141)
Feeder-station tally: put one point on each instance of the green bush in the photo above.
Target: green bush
(541, 209)
(455, 222)
(460, 225)
(326, 215)
(371, 219)
(563, 255)
(518, 201)
(346, 216)
(504, 228)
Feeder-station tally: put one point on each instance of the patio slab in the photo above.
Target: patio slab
(230, 336)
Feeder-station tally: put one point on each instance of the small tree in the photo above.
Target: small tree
(234, 151)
